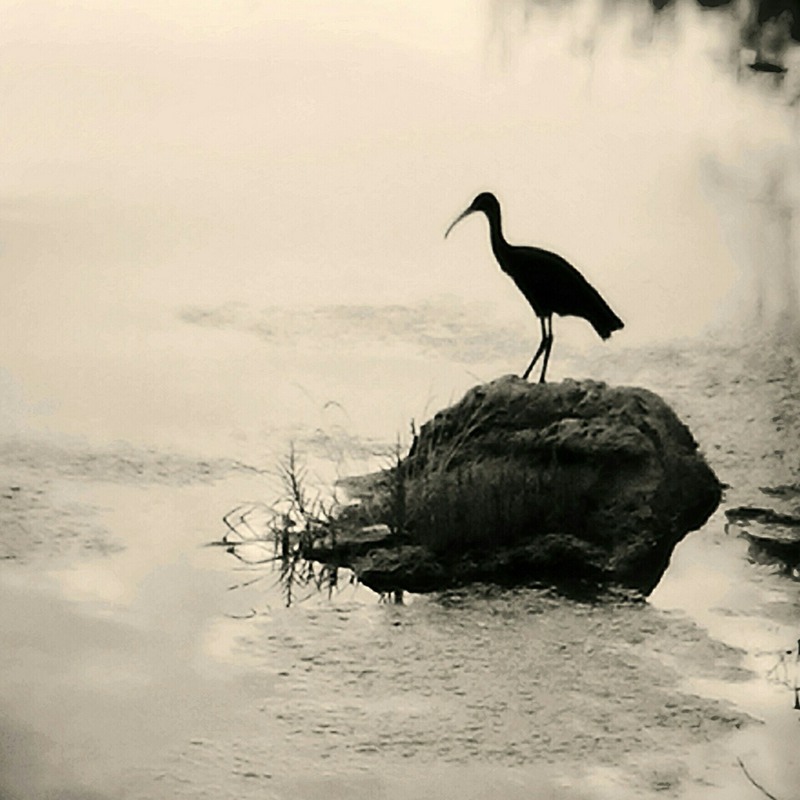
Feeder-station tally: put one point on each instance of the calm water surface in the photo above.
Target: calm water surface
(141, 664)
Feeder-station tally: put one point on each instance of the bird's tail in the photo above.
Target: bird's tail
(604, 320)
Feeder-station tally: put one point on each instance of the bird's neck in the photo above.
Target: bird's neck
(499, 244)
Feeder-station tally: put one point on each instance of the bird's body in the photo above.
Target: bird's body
(549, 282)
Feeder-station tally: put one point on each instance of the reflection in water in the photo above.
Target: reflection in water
(283, 534)
(276, 544)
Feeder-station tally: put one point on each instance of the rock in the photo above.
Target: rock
(774, 536)
(521, 483)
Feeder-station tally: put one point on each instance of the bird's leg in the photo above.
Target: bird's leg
(539, 351)
(548, 340)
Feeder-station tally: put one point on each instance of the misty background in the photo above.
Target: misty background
(196, 198)
(221, 232)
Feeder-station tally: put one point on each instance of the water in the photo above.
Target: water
(134, 669)
(220, 237)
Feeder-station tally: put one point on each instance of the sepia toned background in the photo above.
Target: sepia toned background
(221, 231)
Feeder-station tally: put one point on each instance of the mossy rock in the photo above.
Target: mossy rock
(554, 483)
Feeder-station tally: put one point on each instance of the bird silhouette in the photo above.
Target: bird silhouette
(550, 283)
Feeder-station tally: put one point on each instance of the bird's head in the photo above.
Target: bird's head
(485, 202)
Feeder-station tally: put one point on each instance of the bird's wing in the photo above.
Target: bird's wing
(557, 287)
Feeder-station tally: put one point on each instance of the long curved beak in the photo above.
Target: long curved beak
(457, 220)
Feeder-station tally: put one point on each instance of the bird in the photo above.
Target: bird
(549, 282)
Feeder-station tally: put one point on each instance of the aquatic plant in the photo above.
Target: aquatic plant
(290, 527)
(440, 497)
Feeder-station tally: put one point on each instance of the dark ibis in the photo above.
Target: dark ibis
(550, 283)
